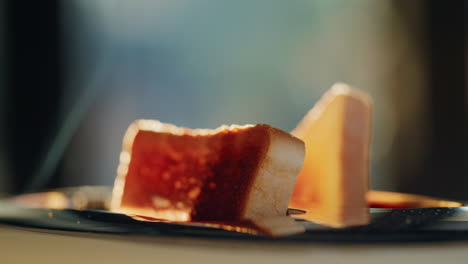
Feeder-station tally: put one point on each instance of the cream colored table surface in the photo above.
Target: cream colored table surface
(30, 246)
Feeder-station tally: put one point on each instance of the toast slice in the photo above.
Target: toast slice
(383, 199)
(334, 180)
(225, 174)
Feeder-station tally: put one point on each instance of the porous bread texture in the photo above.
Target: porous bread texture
(270, 182)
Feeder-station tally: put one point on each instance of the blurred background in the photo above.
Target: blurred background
(74, 74)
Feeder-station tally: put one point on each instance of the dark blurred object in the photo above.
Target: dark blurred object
(34, 82)
(4, 179)
(446, 170)
(442, 171)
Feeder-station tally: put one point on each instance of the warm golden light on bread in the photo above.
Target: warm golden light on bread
(51, 200)
(228, 173)
(383, 199)
(335, 177)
